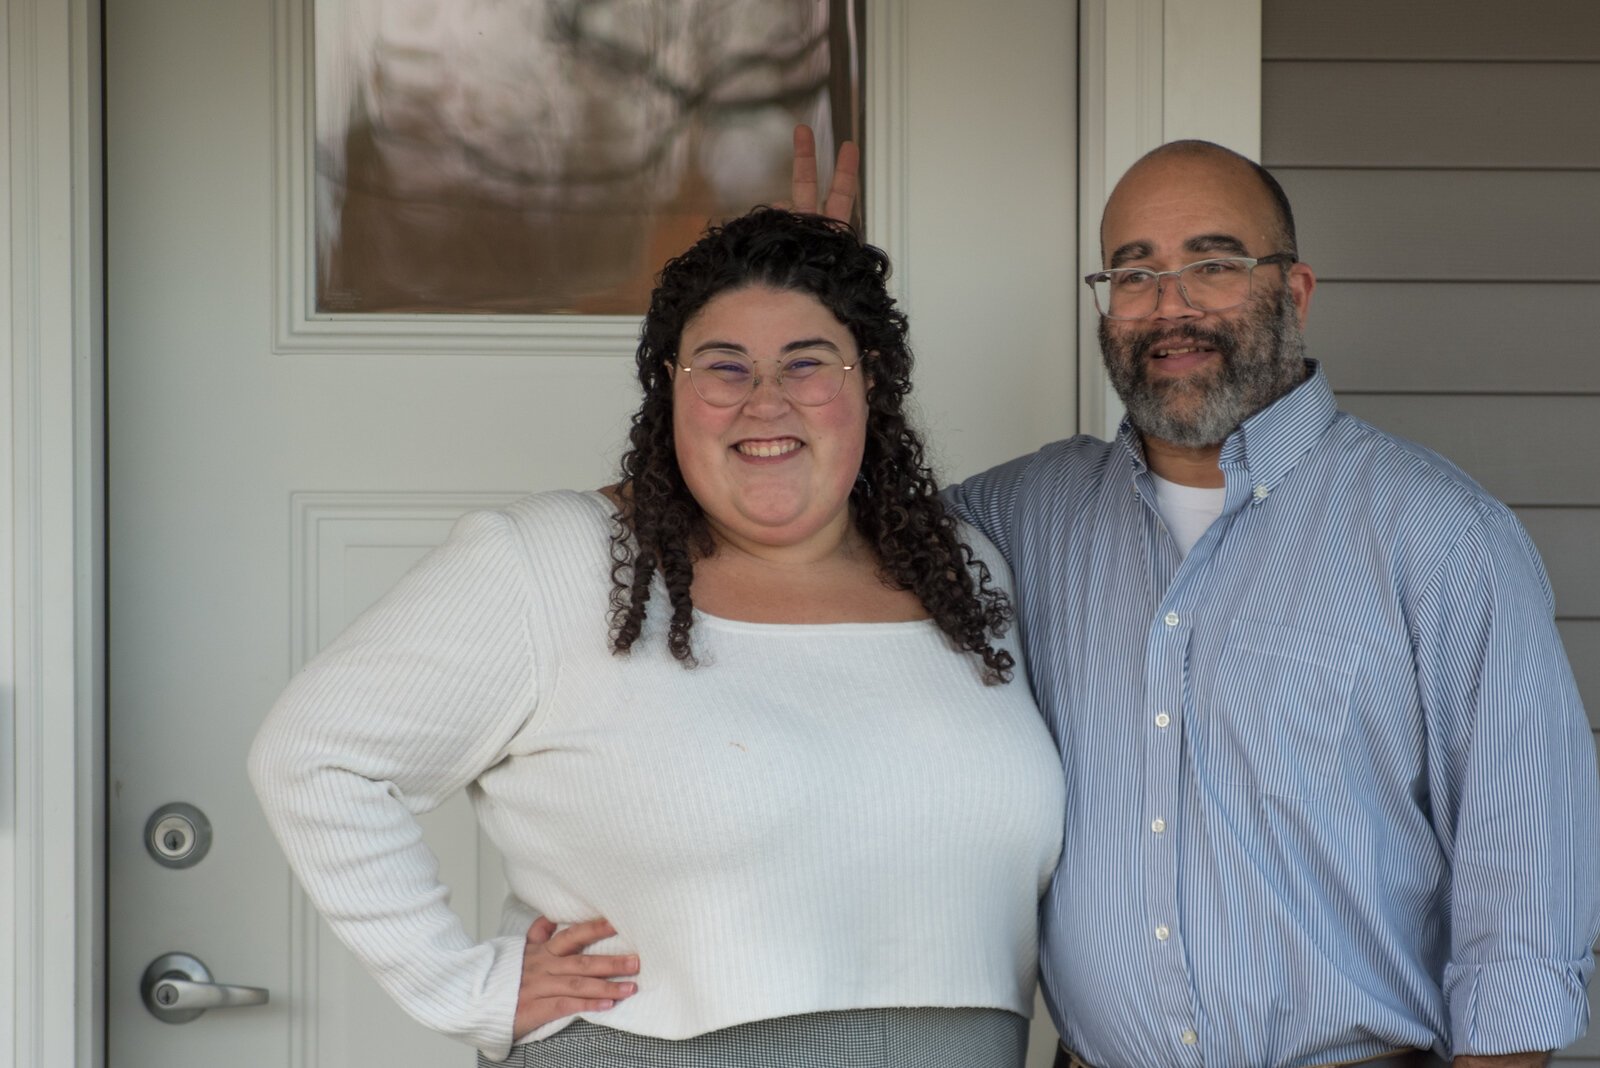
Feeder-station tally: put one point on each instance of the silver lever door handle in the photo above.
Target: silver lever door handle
(178, 988)
(186, 994)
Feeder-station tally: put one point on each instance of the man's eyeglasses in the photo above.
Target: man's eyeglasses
(1205, 285)
(810, 378)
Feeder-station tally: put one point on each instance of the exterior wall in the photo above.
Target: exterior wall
(1445, 173)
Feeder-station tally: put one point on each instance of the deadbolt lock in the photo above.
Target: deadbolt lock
(177, 835)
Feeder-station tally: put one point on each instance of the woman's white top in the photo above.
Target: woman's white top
(817, 817)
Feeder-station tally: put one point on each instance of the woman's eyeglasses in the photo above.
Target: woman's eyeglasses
(810, 378)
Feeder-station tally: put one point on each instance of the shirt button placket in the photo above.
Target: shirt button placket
(1168, 648)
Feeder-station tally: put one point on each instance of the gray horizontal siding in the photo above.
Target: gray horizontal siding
(1446, 29)
(1358, 114)
(1429, 225)
(1422, 337)
(1524, 450)
(1569, 541)
(1582, 640)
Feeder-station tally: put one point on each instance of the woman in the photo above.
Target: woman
(789, 772)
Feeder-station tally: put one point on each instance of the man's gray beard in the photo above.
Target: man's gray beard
(1262, 358)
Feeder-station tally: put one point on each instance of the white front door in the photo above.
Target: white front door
(262, 493)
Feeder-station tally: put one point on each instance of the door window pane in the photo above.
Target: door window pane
(547, 156)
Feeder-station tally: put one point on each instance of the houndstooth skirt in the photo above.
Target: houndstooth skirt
(861, 1038)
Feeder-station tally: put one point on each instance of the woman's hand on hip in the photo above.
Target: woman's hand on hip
(558, 980)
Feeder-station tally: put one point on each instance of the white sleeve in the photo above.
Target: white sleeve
(409, 705)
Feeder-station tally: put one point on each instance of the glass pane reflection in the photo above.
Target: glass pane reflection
(547, 156)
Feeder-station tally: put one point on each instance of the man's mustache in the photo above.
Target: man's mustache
(1224, 342)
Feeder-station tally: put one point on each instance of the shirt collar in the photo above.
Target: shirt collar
(1128, 437)
(1268, 445)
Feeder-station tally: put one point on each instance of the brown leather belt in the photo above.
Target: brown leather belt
(1400, 1058)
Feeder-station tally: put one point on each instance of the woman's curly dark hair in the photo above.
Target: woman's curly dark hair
(895, 505)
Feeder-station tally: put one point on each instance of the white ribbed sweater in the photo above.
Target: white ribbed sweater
(817, 817)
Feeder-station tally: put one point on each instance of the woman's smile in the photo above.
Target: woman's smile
(770, 449)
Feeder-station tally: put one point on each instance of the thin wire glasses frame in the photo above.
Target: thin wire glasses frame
(1205, 285)
(723, 381)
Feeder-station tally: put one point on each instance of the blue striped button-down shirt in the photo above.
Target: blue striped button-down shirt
(1330, 789)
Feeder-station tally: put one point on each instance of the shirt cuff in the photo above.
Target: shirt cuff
(1517, 1006)
(491, 1031)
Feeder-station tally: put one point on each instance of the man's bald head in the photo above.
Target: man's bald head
(1275, 201)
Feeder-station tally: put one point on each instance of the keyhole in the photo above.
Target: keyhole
(166, 995)
(177, 835)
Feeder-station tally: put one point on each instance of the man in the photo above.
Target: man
(1331, 794)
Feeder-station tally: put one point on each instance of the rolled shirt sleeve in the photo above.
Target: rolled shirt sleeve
(1514, 793)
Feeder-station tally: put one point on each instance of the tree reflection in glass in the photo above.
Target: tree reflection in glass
(547, 156)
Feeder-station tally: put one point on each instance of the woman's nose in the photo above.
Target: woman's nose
(767, 392)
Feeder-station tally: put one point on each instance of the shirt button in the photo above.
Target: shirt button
(1172, 619)
(1260, 493)
(1189, 1038)
(1162, 934)
(1162, 720)
(1158, 825)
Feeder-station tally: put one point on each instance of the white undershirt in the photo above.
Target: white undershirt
(1187, 510)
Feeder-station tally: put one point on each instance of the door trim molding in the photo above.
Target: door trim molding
(52, 732)
(299, 328)
(885, 171)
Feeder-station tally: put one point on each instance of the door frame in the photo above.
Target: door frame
(52, 471)
(53, 461)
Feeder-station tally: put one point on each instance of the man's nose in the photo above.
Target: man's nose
(1170, 302)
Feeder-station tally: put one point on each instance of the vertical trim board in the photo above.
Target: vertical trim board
(51, 999)
(885, 175)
